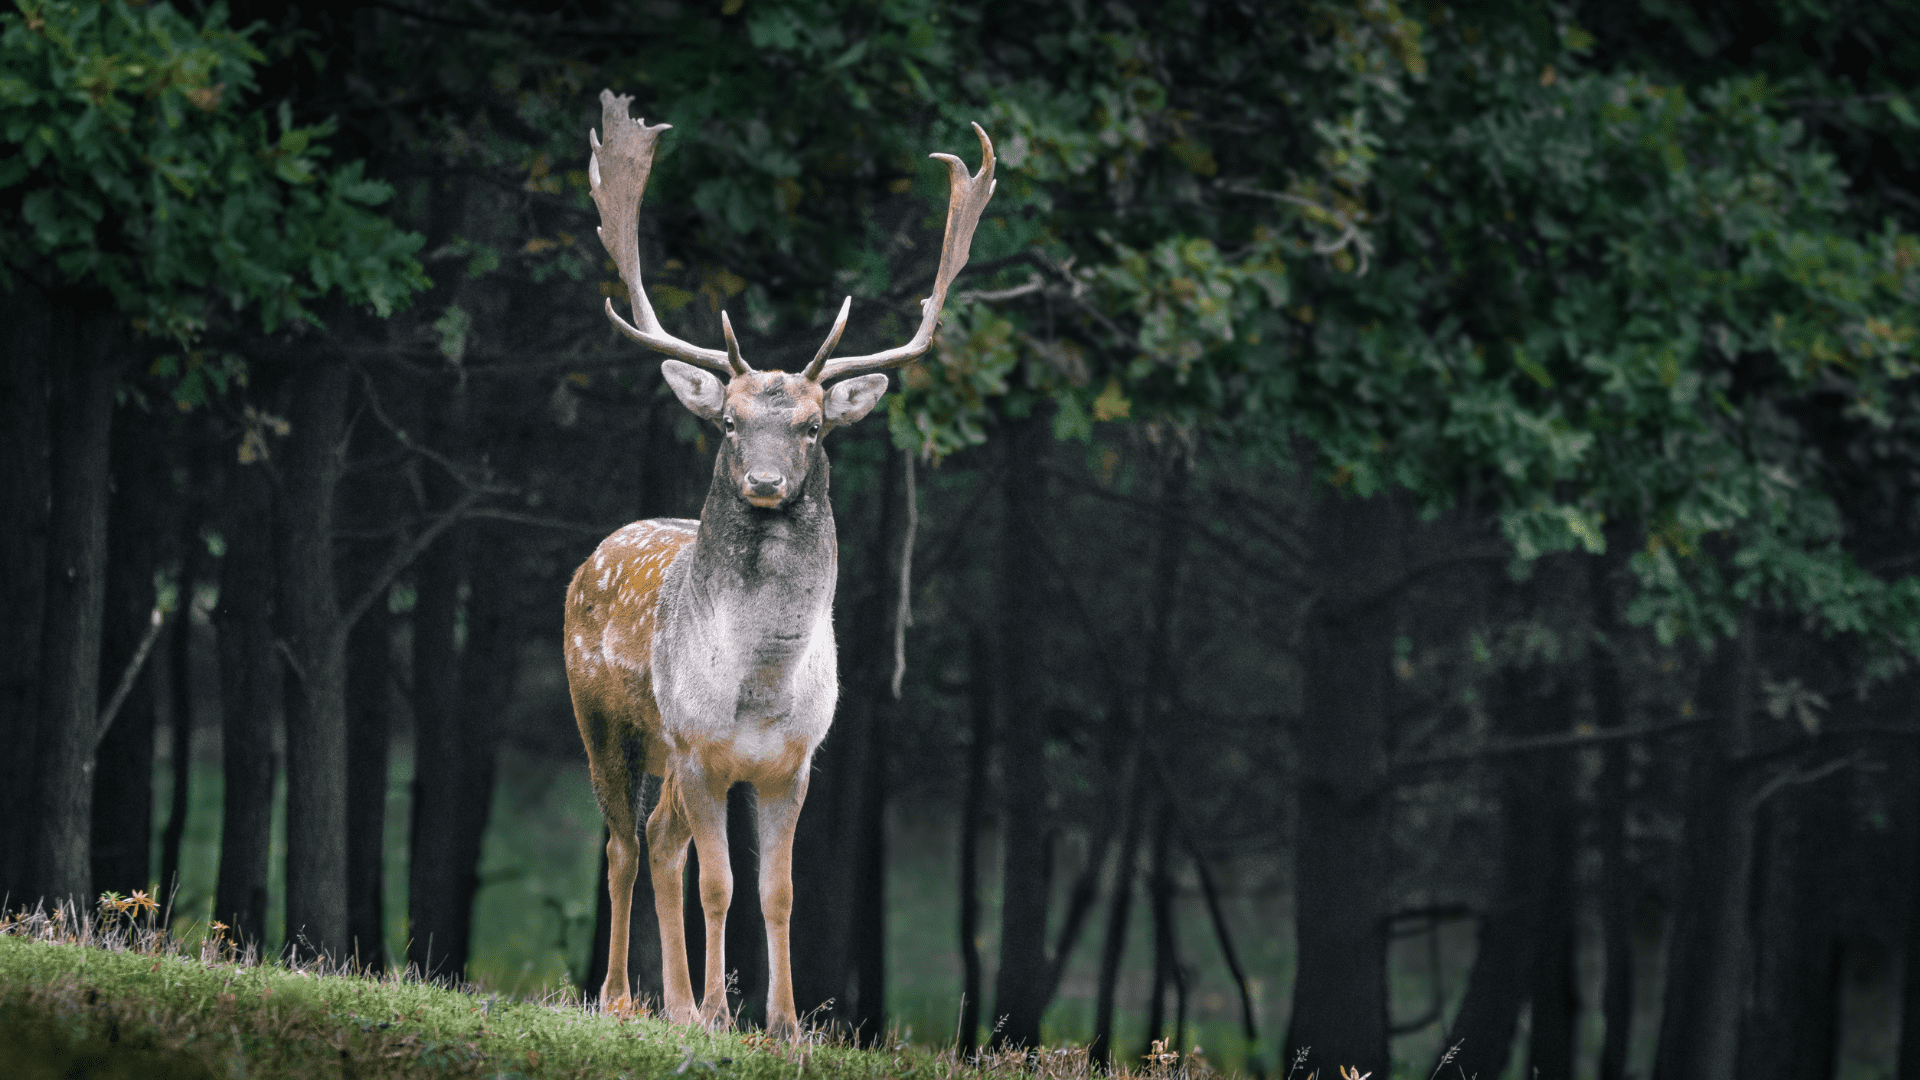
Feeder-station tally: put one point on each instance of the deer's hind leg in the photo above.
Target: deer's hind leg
(616, 765)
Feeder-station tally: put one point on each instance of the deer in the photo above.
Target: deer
(702, 651)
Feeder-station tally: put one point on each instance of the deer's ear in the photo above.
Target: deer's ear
(850, 400)
(700, 391)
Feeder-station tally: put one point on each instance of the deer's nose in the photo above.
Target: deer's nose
(766, 485)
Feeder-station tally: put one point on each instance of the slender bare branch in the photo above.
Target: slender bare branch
(1034, 284)
(129, 676)
(1566, 741)
(903, 616)
(401, 558)
(454, 469)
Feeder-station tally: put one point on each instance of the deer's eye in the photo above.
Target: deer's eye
(813, 429)
(726, 423)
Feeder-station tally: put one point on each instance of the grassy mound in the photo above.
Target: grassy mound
(106, 999)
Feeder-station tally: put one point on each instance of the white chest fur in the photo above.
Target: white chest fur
(754, 667)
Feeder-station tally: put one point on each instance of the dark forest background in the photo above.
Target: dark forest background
(1408, 528)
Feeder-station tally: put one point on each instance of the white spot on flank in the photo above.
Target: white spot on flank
(603, 578)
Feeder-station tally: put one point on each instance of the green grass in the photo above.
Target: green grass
(119, 1004)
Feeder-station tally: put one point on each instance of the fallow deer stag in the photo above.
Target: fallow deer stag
(702, 651)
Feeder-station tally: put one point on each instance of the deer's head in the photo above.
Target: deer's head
(771, 422)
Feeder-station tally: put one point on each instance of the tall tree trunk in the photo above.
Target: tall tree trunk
(122, 828)
(1554, 986)
(1113, 943)
(372, 503)
(309, 616)
(972, 808)
(436, 942)
(867, 937)
(1903, 692)
(1256, 1064)
(1498, 984)
(1019, 985)
(82, 383)
(24, 495)
(1791, 1025)
(1709, 963)
(251, 701)
(178, 641)
(1617, 877)
(1166, 945)
(458, 695)
(369, 699)
(1341, 876)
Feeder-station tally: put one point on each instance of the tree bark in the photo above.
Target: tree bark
(436, 938)
(178, 641)
(1617, 877)
(870, 713)
(1498, 984)
(1903, 692)
(315, 642)
(1113, 943)
(457, 696)
(372, 503)
(82, 384)
(1342, 876)
(1791, 1030)
(24, 495)
(868, 934)
(175, 654)
(140, 507)
(251, 700)
(1709, 962)
(1554, 986)
(369, 685)
(1018, 995)
(1166, 945)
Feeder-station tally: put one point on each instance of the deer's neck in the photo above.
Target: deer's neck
(771, 572)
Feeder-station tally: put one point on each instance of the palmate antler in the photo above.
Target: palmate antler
(618, 174)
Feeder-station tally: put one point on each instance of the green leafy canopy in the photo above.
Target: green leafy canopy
(138, 165)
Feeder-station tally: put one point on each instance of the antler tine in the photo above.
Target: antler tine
(833, 338)
(735, 365)
(967, 196)
(617, 173)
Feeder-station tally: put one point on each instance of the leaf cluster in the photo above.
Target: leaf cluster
(135, 162)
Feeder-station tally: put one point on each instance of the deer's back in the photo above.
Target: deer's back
(612, 606)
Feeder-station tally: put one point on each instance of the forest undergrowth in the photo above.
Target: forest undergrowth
(112, 994)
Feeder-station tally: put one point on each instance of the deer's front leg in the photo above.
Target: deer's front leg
(779, 812)
(667, 835)
(705, 804)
